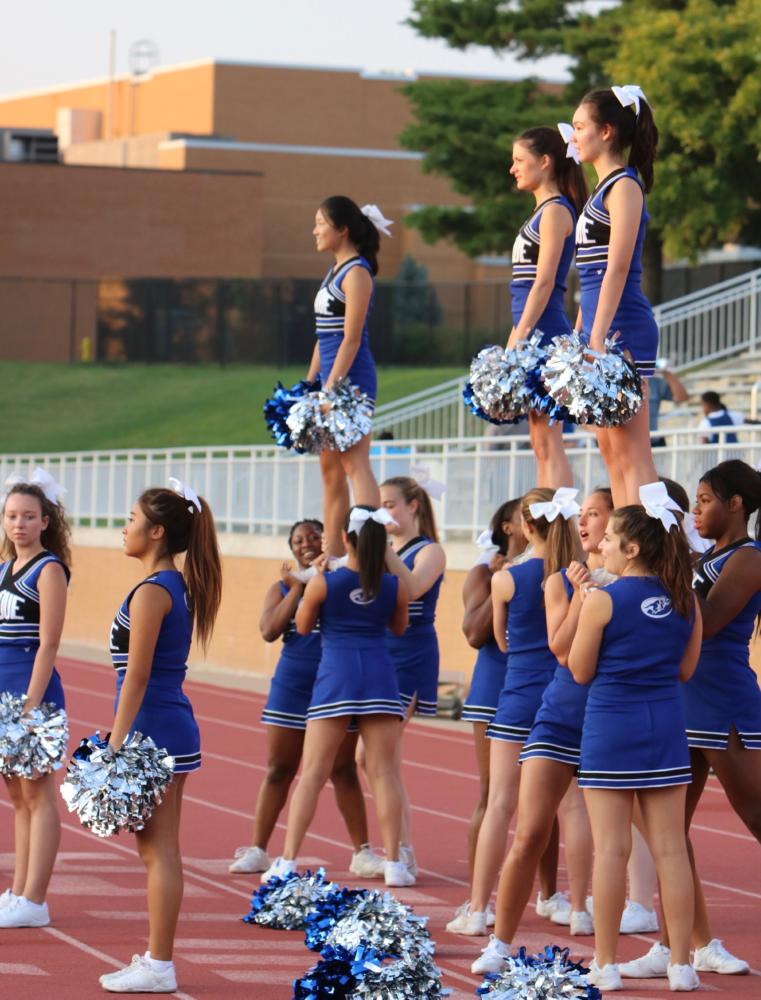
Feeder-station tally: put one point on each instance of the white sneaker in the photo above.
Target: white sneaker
(493, 957)
(682, 979)
(606, 978)
(407, 855)
(581, 923)
(249, 859)
(7, 898)
(546, 907)
(22, 912)
(636, 919)
(471, 923)
(562, 916)
(140, 977)
(491, 918)
(279, 868)
(365, 863)
(714, 957)
(653, 965)
(397, 873)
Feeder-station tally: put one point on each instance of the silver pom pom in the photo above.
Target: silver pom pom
(285, 904)
(503, 382)
(399, 980)
(113, 790)
(380, 921)
(31, 744)
(550, 975)
(334, 420)
(600, 389)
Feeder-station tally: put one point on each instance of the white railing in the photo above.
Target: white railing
(263, 489)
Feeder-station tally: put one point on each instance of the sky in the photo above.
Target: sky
(46, 42)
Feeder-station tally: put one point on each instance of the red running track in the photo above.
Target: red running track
(97, 897)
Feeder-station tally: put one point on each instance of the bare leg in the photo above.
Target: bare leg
(630, 444)
(548, 865)
(739, 771)
(350, 798)
(610, 814)
(335, 500)
(482, 762)
(643, 881)
(284, 748)
(41, 800)
(552, 466)
(609, 457)
(405, 830)
(577, 834)
(380, 734)
(21, 834)
(356, 465)
(159, 847)
(504, 780)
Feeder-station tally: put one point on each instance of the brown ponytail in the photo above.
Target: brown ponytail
(370, 544)
(561, 541)
(569, 176)
(636, 132)
(191, 531)
(411, 490)
(664, 553)
(54, 538)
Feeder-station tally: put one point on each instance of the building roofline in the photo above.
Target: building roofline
(232, 145)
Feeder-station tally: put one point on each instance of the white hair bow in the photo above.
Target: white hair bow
(377, 218)
(485, 542)
(563, 503)
(359, 518)
(41, 478)
(422, 476)
(186, 492)
(658, 504)
(566, 131)
(630, 94)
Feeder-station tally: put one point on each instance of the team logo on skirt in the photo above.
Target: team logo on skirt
(357, 597)
(656, 607)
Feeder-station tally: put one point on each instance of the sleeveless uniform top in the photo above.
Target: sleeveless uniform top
(330, 314)
(642, 644)
(422, 612)
(20, 604)
(528, 621)
(170, 656)
(732, 642)
(634, 317)
(721, 418)
(347, 619)
(306, 647)
(525, 259)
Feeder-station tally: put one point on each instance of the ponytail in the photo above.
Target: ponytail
(191, 531)
(561, 541)
(636, 132)
(370, 545)
(344, 213)
(569, 176)
(54, 538)
(736, 478)
(665, 553)
(411, 490)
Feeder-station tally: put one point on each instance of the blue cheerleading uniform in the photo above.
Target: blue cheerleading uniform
(553, 322)
(330, 314)
(530, 663)
(356, 675)
(20, 627)
(723, 692)
(634, 317)
(487, 682)
(166, 714)
(291, 688)
(416, 653)
(556, 733)
(634, 723)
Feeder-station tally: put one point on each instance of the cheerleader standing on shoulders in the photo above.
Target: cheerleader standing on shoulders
(542, 255)
(355, 605)
(342, 351)
(636, 640)
(150, 643)
(416, 557)
(722, 699)
(550, 758)
(614, 130)
(285, 715)
(530, 667)
(33, 582)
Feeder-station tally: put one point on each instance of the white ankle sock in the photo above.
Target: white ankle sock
(157, 965)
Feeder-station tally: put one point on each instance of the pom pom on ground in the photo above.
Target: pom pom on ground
(286, 903)
(549, 975)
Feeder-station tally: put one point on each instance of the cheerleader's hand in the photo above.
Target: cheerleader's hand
(286, 575)
(321, 562)
(578, 575)
(513, 339)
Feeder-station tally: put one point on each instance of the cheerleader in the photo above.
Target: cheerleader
(545, 522)
(550, 758)
(614, 130)
(285, 715)
(33, 582)
(636, 639)
(722, 700)
(354, 604)
(542, 255)
(150, 643)
(342, 351)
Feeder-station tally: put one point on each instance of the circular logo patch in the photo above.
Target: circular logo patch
(357, 597)
(656, 607)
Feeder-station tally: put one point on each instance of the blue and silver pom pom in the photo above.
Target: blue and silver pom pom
(547, 976)
(287, 903)
(112, 790)
(332, 420)
(31, 744)
(366, 972)
(278, 406)
(504, 383)
(600, 389)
